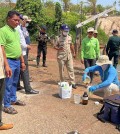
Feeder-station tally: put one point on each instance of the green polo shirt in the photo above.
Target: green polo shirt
(90, 48)
(10, 39)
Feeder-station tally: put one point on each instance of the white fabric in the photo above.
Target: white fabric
(22, 40)
(2, 72)
(111, 89)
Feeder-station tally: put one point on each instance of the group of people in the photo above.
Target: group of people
(14, 49)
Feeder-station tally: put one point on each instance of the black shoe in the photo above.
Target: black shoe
(74, 86)
(32, 92)
(44, 65)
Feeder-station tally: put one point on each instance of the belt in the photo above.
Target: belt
(13, 58)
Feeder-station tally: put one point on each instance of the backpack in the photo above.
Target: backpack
(110, 111)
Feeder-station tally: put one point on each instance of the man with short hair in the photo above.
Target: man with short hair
(42, 46)
(10, 42)
(25, 74)
(112, 49)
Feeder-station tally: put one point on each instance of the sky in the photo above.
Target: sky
(102, 2)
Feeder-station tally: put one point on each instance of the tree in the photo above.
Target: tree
(66, 5)
(34, 10)
(58, 17)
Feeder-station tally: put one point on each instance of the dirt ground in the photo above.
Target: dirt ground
(47, 113)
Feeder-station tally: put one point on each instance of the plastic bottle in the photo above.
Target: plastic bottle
(85, 98)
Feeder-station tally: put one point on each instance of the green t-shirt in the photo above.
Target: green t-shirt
(10, 39)
(90, 48)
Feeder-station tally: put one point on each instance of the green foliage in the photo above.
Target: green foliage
(3, 14)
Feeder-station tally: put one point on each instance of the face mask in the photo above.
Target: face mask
(65, 33)
(104, 67)
(26, 25)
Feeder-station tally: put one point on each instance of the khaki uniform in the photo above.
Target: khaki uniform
(64, 57)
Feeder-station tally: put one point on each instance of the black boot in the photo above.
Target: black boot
(38, 61)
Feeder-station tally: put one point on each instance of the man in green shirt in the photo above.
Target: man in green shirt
(10, 42)
(112, 49)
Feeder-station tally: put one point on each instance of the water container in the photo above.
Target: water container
(65, 90)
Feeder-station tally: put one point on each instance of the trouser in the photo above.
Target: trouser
(89, 63)
(115, 57)
(111, 89)
(70, 69)
(25, 76)
(2, 87)
(11, 83)
(43, 50)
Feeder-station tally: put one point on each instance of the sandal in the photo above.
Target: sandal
(10, 110)
(19, 103)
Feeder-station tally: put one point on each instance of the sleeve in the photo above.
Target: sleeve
(82, 49)
(97, 48)
(2, 38)
(108, 47)
(108, 81)
(91, 69)
(56, 44)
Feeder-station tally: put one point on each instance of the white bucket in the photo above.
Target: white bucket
(65, 91)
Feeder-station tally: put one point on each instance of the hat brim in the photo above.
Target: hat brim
(100, 64)
(90, 31)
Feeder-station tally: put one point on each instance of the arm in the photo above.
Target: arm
(97, 48)
(108, 47)
(56, 45)
(23, 67)
(82, 52)
(7, 68)
(72, 50)
(107, 82)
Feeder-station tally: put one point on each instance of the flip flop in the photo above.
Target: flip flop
(19, 103)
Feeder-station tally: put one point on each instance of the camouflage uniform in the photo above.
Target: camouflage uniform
(42, 47)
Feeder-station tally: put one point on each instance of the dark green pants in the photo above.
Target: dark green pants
(2, 87)
(115, 57)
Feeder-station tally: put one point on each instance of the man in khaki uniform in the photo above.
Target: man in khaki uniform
(64, 56)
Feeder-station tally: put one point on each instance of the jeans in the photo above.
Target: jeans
(89, 63)
(2, 87)
(11, 83)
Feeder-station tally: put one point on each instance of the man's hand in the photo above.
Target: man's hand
(82, 61)
(8, 71)
(92, 88)
(74, 55)
(23, 67)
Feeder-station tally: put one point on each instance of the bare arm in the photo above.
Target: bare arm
(22, 63)
(7, 68)
(73, 50)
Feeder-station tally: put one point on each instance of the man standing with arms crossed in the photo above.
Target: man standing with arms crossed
(10, 42)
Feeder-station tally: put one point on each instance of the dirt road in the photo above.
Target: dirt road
(46, 113)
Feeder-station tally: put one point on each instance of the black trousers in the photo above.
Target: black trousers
(89, 63)
(25, 76)
(115, 57)
(41, 49)
(2, 87)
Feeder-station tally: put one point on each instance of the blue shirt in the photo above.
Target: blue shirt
(108, 76)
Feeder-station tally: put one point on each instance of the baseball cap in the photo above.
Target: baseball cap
(95, 31)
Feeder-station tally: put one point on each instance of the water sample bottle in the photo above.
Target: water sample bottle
(85, 98)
